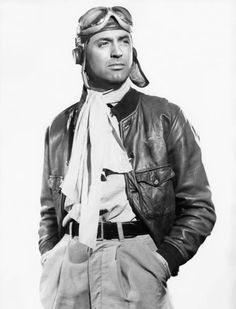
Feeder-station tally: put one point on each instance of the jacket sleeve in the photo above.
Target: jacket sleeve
(48, 229)
(195, 215)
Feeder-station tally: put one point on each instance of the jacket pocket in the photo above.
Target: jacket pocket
(155, 189)
(54, 183)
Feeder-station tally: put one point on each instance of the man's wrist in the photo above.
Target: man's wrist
(172, 256)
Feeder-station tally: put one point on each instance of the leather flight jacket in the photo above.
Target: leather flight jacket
(167, 189)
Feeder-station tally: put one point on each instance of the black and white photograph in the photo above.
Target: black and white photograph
(117, 154)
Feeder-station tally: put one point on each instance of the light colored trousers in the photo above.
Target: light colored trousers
(127, 274)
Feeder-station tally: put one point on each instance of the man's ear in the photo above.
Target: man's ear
(78, 54)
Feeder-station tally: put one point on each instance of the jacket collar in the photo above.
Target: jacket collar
(127, 105)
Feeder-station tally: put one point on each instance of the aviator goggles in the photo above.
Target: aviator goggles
(96, 18)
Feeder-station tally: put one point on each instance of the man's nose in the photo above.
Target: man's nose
(116, 50)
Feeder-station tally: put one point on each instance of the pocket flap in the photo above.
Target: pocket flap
(156, 177)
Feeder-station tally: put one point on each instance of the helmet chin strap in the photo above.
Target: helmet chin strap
(83, 69)
(83, 72)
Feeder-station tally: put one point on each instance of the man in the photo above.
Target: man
(125, 198)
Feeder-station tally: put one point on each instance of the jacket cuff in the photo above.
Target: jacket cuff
(172, 256)
(47, 244)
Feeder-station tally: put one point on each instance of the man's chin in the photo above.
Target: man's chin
(113, 81)
(117, 80)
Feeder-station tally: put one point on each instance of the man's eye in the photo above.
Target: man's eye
(126, 41)
(103, 43)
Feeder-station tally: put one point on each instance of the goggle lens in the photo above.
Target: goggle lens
(123, 14)
(93, 17)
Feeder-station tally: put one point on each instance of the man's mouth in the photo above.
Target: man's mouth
(117, 66)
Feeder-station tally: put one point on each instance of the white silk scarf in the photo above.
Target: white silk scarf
(96, 146)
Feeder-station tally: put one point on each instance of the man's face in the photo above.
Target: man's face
(109, 57)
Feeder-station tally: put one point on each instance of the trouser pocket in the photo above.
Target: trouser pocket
(73, 288)
(51, 273)
(160, 265)
(142, 274)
